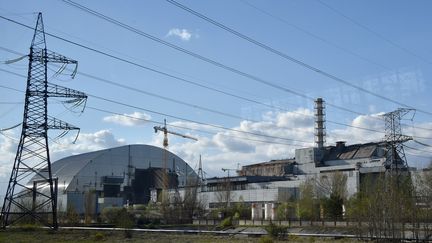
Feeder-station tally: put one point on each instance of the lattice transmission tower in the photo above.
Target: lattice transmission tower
(394, 139)
(36, 202)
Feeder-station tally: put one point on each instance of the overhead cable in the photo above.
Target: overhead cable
(424, 144)
(10, 128)
(417, 149)
(304, 31)
(202, 86)
(92, 76)
(287, 57)
(196, 55)
(193, 129)
(377, 34)
(192, 121)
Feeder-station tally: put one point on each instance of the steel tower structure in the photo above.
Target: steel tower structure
(37, 202)
(395, 158)
(320, 128)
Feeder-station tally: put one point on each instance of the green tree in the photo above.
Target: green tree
(332, 190)
(286, 210)
(307, 204)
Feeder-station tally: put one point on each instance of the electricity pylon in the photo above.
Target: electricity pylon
(395, 158)
(37, 202)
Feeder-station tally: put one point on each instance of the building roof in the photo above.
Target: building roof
(248, 179)
(355, 151)
(271, 162)
(79, 171)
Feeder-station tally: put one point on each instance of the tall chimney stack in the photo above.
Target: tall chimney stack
(319, 123)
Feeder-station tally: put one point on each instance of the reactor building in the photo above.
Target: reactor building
(131, 174)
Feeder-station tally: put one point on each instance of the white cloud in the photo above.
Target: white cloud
(8, 147)
(183, 34)
(227, 148)
(370, 123)
(134, 119)
(230, 144)
(87, 142)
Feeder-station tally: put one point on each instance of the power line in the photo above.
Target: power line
(172, 76)
(11, 103)
(138, 90)
(203, 86)
(421, 128)
(192, 121)
(424, 144)
(10, 128)
(286, 56)
(178, 78)
(330, 43)
(164, 73)
(173, 100)
(417, 149)
(188, 120)
(176, 117)
(188, 128)
(180, 118)
(419, 156)
(155, 95)
(377, 34)
(198, 56)
(164, 97)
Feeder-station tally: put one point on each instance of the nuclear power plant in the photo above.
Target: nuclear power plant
(134, 175)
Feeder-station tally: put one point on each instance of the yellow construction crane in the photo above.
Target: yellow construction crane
(165, 145)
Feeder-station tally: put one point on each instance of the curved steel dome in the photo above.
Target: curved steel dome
(88, 172)
(84, 171)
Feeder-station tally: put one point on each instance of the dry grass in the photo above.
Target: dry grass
(47, 236)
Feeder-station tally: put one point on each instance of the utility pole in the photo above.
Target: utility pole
(395, 158)
(228, 170)
(38, 201)
(201, 179)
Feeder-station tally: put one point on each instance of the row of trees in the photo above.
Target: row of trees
(388, 206)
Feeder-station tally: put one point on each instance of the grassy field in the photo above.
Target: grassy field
(47, 236)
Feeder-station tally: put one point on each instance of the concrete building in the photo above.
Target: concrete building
(264, 185)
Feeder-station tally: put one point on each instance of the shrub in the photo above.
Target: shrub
(72, 216)
(111, 215)
(265, 239)
(236, 216)
(227, 222)
(99, 236)
(128, 233)
(29, 227)
(276, 230)
(118, 216)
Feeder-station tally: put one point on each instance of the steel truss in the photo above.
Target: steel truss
(394, 139)
(36, 202)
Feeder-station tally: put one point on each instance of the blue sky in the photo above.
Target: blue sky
(380, 46)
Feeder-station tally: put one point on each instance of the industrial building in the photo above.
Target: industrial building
(134, 174)
(264, 185)
(131, 174)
